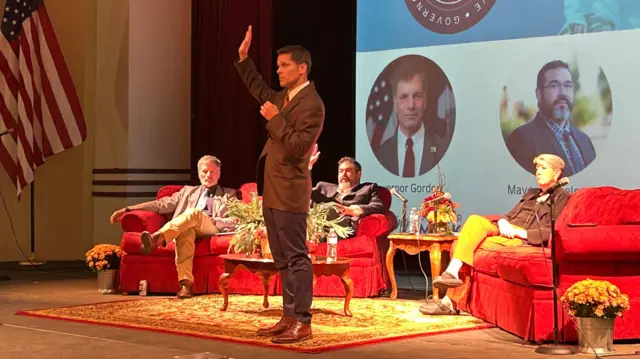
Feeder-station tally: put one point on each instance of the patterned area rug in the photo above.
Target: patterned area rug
(373, 321)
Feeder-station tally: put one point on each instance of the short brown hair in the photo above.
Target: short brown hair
(299, 55)
(405, 71)
(557, 64)
(353, 161)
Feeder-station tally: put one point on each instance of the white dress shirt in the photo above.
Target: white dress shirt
(295, 91)
(418, 147)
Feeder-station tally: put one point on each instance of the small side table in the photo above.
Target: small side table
(266, 268)
(412, 244)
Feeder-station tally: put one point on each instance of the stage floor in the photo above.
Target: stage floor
(29, 337)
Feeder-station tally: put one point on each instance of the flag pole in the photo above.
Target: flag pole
(33, 260)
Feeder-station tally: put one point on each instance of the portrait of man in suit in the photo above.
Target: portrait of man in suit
(355, 199)
(197, 211)
(551, 130)
(411, 145)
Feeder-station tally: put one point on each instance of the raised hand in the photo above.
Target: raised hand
(314, 156)
(243, 50)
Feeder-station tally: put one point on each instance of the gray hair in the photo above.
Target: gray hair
(207, 159)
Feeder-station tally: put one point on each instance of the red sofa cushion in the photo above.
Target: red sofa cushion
(601, 243)
(486, 261)
(606, 206)
(131, 245)
(523, 265)
(219, 244)
(356, 247)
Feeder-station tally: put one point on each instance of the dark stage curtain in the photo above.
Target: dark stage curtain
(226, 119)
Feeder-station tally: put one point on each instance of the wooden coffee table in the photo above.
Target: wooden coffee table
(412, 244)
(266, 268)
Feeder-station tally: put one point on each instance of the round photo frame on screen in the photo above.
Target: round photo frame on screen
(410, 116)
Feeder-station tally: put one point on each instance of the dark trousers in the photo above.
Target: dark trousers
(287, 234)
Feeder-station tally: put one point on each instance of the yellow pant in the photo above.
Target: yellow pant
(477, 232)
(184, 229)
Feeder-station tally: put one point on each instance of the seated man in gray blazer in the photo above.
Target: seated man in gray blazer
(198, 211)
(355, 199)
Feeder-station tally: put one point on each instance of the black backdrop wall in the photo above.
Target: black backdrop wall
(226, 121)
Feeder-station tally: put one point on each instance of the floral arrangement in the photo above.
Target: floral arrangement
(595, 299)
(251, 233)
(444, 208)
(104, 256)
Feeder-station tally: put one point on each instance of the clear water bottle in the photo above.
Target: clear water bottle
(332, 246)
(414, 222)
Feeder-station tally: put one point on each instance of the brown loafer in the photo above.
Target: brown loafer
(297, 332)
(151, 241)
(446, 280)
(186, 289)
(280, 327)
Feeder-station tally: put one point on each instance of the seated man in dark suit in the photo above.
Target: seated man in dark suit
(551, 130)
(355, 199)
(528, 223)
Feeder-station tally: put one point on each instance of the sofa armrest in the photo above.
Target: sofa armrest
(140, 220)
(601, 243)
(375, 225)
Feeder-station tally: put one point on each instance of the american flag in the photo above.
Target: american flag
(379, 108)
(39, 100)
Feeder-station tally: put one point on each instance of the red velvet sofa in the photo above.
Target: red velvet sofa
(512, 287)
(158, 268)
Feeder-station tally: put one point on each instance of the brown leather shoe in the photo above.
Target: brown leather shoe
(297, 332)
(280, 327)
(151, 241)
(186, 289)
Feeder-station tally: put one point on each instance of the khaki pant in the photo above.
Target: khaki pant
(476, 233)
(184, 229)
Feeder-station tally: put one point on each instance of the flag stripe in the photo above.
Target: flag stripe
(35, 117)
(50, 103)
(63, 75)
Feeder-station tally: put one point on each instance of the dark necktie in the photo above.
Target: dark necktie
(208, 208)
(409, 160)
(576, 158)
(286, 101)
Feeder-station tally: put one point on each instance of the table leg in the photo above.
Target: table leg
(222, 284)
(264, 276)
(348, 287)
(392, 275)
(435, 256)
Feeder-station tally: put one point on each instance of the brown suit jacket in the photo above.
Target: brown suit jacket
(187, 198)
(284, 179)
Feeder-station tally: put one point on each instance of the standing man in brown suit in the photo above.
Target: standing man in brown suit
(294, 117)
(197, 211)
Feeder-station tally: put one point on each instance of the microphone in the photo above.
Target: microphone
(11, 130)
(397, 194)
(561, 182)
(447, 195)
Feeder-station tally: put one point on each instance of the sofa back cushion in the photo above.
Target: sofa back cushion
(385, 196)
(605, 206)
(168, 191)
